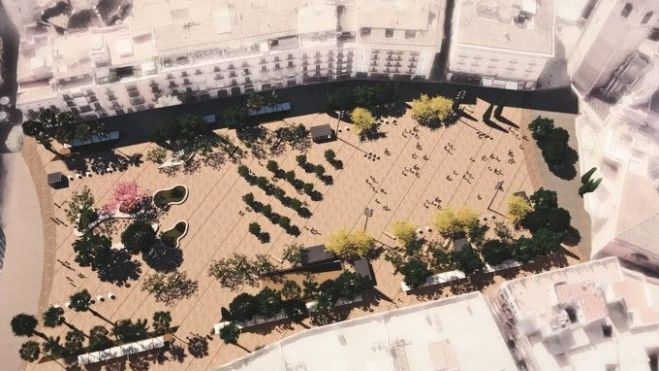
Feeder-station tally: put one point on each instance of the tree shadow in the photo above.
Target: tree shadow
(163, 258)
(121, 270)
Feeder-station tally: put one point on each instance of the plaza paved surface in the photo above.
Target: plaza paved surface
(462, 176)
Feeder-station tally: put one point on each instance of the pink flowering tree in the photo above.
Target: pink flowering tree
(127, 198)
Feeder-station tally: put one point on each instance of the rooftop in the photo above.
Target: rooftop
(590, 316)
(441, 340)
(516, 25)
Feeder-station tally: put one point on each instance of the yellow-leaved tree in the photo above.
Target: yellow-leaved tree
(362, 119)
(348, 244)
(518, 209)
(404, 231)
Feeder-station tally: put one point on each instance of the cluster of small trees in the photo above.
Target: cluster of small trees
(346, 286)
(553, 141)
(298, 184)
(431, 111)
(255, 229)
(272, 190)
(168, 288)
(330, 157)
(60, 126)
(368, 96)
(308, 167)
(292, 135)
(187, 133)
(95, 251)
(123, 331)
(238, 270)
(275, 218)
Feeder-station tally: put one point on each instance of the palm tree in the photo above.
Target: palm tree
(25, 325)
(80, 301)
(98, 338)
(126, 331)
(53, 317)
(30, 351)
(74, 340)
(53, 347)
(161, 322)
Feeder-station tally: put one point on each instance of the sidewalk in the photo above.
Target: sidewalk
(21, 277)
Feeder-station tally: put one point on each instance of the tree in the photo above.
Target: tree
(350, 244)
(73, 341)
(79, 200)
(404, 231)
(350, 284)
(126, 331)
(428, 111)
(243, 307)
(362, 119)
(295, 310)
(442, 258)
(449, 222)
(98, 338)
(126, 197)
(24, 325)
(161, 322)
(293, 253)
(556, 220)
(187, 133)
(544, 199)
(230, 333)
(86, 218)
(235, 116)
(80, 301)
(139, 236)
(53, 347)
(415, 272)
(157, 155)
(29, 351)
(476, 233)
(467, 259)
(170, 287)
(290, 290)
(93, 250)
(541, 127)
(233, 271)
(496, 252)
(254, 228)
(518, 209)
(255, 102)
(268, 302)
(53, 317)
(546, 242)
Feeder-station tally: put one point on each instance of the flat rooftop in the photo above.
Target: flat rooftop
(565, 315)
(513, 25)
(437, 335)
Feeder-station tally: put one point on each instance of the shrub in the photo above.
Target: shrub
(301, 160)
(272, 166)
(254, 228)
(415, 273)
(87, 217)
(330, 155)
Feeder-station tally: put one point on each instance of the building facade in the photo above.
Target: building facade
(613, 31)
(198, 50)
(504, 44)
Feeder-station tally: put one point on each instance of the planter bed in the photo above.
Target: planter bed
(171, 196)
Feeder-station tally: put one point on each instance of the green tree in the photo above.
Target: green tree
(255, 102)
(80, 301)
(73, 341)
(518, 209)
(138, 237)
(496, 252)
(243, 307)
(362, 119)
(29, 351)
(235, 116)
(53, 317)
(541, 127)
(350, 284)
(467, 259)
(293, 253)
(53, 347)
(415, 272)
(24, 325)
(404, 231)
(350, 244)
(79, 201)
(161, 322)
(98, 338)
(93, 250)
(268, 302)
(187, 133)
(126, 331)
(168, 288)
(290, 290)
(544, 199)
(230, 333)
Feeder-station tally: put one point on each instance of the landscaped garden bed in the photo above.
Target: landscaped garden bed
(172, 237)
(171, 196)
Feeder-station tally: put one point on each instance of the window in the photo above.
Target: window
(646, 17)
(389, 33)
(626, 10)
(365, 31)
(410, 34)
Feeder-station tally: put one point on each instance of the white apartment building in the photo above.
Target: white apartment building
(457, 333)
(595, 316)
(622, 141)
(204, 49)
(501, 43)
(613, 31)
